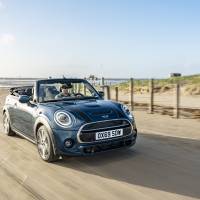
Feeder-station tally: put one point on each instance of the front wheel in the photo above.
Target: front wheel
(6, 125)
(44, 145)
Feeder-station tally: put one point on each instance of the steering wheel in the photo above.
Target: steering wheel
(78, 94)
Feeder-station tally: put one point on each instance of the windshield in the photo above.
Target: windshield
(58, 90)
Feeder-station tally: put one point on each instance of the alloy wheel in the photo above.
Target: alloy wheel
(43, 144)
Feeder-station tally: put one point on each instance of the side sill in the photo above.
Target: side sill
(22, 135)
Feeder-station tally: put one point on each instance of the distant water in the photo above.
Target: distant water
(109, 81)
(14, 82)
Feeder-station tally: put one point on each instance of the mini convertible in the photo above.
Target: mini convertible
(67, 117)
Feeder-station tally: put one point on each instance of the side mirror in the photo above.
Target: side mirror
(101, 93)
(24, 99)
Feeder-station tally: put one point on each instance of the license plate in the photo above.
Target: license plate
(109, 134)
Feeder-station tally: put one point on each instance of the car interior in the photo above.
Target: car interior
(46, 92)
(17, 91)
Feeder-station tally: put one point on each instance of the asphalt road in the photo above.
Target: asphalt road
(158, 167)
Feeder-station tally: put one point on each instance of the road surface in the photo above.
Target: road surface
(158, 167)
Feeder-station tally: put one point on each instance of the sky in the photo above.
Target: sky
(109, 38)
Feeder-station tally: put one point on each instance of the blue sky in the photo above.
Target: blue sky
(111, 38)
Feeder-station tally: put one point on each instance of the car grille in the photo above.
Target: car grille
(107, 146)
(88, 131)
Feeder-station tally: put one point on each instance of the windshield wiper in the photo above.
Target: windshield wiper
(51, 100)
(82, 98)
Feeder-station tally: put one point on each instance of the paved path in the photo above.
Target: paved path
(167, 126)
(158, 167)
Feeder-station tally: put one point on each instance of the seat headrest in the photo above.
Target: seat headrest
(28, 91)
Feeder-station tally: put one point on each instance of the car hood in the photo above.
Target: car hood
(90, 110)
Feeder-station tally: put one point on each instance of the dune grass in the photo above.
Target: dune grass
(183, 80)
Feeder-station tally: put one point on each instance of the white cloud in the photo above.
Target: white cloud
(7, 39)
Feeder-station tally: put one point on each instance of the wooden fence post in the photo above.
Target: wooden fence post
(151, 92)
(131, 93)
(108, 92)
(177, 101)
(116, 94)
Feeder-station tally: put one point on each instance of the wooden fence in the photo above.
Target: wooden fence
(171, 105)
(175, 110)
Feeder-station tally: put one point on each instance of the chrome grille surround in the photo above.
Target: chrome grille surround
(102, 127)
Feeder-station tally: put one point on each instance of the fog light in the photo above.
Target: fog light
(68, 143)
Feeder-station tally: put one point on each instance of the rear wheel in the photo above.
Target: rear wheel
(6, 125)
(44, 145)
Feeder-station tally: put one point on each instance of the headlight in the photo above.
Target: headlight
(127, 111)
(63, 119)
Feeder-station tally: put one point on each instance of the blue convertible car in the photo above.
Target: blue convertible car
(67, 117)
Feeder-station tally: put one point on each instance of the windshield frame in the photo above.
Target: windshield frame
(63, 81)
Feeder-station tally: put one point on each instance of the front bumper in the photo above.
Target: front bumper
(107, 146)
(83, 149)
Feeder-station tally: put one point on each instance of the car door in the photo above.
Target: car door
(11, 104)
(26, 115)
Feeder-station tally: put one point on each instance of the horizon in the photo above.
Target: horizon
(106, 38)
(99, 78)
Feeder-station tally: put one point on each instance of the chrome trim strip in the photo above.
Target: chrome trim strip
(80, 129)
(104, 128)
(22, 135)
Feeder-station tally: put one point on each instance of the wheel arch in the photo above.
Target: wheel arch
(43, 121)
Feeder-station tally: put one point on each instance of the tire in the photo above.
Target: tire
(44, 145)
(6, 125)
